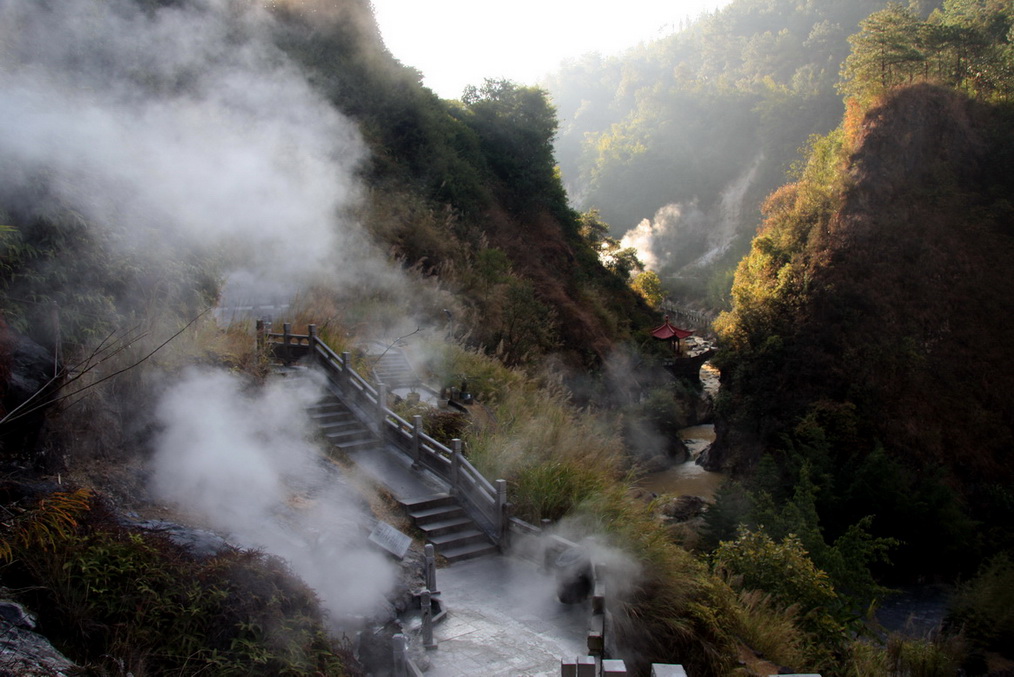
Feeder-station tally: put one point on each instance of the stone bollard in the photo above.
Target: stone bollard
(586, 666)
(612, 667)
(399, 648)
(427, 620)
(430, 562)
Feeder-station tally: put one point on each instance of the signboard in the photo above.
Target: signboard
(390, 539)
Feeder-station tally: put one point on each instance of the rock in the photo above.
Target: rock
(199, 542)
(683, 508)
(26, 653)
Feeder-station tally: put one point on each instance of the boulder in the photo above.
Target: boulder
(683, 508)
(25, 652)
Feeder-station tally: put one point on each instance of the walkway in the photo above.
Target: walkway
(503, 620)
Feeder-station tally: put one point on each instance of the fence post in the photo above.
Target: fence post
(311, 330)
(417, 431)
(286, 338)
(455, 465)
(381, 407)
(399, 649)
(261, 338)
(427, 621)
(430, 560)
(346, 372)
(501, 510)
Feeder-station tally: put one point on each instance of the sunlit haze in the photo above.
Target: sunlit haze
(455, 43)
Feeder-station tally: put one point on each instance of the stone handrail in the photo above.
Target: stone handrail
(484, 501)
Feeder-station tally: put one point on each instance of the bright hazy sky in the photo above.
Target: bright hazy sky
(461, 42)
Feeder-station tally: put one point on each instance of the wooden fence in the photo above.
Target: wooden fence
(484, 501)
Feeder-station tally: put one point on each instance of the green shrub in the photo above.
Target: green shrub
(984, 606)
(114, 599)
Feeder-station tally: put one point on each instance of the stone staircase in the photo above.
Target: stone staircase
(453, 534)
(340, 426)
(393, 370)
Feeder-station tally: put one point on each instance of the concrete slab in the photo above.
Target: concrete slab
(503, 620)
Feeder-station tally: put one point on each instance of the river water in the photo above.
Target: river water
(688, 478)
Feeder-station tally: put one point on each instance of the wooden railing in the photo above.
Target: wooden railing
(484, 501)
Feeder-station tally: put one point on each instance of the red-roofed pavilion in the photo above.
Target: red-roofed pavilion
(670, 332)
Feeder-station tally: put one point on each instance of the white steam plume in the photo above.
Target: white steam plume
(181, 126)
(243, 462)
(683, 234)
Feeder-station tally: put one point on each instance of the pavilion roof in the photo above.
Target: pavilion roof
(669, 331)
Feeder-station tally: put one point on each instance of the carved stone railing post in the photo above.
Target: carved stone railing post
(501, 510)
(455, 465)
(430, 564)
(417, 431)
(381, 407)
(346, 373)
(427, 620)
(399, 651)
(311, 331)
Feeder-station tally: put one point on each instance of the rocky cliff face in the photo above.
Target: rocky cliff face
(892, 327)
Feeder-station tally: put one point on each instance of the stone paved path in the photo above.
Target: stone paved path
(503, 620)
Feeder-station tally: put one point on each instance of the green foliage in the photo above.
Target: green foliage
(983, 607)
(116, 599)
(649, 286)
(515, 126)
(783, 569)
(681, 119)
(967, 44)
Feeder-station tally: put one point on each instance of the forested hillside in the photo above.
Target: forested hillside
(159, 156)
(866, 349)
(691, 132)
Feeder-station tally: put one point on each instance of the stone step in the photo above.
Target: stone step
(458, 538)
(345, 436)
(440, 513)
(446, 526)
(469, 551)
(428, 501)
(339, 426)
(356, 444)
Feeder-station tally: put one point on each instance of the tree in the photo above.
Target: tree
(649, 285)
(516, 126)
(887, 51)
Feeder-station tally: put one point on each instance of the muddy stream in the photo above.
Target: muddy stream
(690, 479)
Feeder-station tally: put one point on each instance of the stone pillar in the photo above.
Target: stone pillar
(430, 561)
(501, 510)
(455, 465)
(586, 666)
(381, 408)
(399, 649)
(568, 668)
(612, 667)
(346, 373)
(311, 330)
(417, 431)
(427, 620)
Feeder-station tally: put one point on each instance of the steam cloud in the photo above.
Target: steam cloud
(682, 235)
(244, 462)
(183, 126)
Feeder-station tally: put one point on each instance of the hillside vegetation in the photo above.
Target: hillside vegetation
(867, 386)
(692, 131)
(865, 347)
